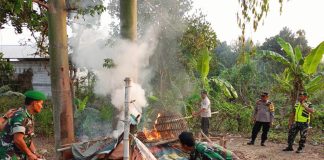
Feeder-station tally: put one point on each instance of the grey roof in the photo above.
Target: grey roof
(18, 52)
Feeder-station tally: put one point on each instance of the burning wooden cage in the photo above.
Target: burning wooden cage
(167, 126)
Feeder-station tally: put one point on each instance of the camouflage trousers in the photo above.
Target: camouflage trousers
(300, 127)
(10, 155)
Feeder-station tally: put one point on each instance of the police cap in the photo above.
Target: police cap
(303, 94)
(264, 94)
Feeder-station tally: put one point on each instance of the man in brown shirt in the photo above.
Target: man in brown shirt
(263, 118)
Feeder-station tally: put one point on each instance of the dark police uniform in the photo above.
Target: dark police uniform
(264, 116)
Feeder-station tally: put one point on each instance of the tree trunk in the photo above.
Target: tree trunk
(128, 19)
(61, 90)
(298, 88)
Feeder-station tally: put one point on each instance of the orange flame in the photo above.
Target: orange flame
(153, 134)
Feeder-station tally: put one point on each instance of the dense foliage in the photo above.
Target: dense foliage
(188, 58)
(6, 71)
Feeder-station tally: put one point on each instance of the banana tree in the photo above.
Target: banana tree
(203, 69)
(300, 72)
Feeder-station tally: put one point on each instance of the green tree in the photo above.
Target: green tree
(295, 39)
(198, 36)
(168, 19)
(252, 12)
(30, 14)
(225, 54)
(300, 72)
(6, 71)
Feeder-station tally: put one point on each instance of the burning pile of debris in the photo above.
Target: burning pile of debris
(167, 126)
(158, 143)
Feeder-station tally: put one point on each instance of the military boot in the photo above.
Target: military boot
(250, 143)
(289, 148)
(299, 150)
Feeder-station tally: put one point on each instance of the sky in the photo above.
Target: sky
(297, 14)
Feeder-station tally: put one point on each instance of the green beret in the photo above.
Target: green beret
(36, 95)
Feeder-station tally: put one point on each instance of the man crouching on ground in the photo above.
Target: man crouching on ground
(16, 138)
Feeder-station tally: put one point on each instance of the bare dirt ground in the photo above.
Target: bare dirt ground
(272, 151)
(45, 146)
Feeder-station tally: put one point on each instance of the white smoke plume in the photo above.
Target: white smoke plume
(131, 59)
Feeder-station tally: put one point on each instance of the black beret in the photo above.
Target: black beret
(264, 94)
(303, 94)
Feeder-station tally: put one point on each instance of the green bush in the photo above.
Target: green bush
(44, 124)
(232, 117)
(10, 102)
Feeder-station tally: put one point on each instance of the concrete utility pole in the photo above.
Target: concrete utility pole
(126, 119)
(60, 79)
(128, 30)
(128, 19)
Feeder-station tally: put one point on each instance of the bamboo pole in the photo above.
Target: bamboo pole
(126, 118)
(187, 117)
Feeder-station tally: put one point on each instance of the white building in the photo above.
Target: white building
(23, 58)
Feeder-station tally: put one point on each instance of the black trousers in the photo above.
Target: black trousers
(205, 125)
(257, 127)
(300, 127)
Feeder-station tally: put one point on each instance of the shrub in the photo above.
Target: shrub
(44, 124)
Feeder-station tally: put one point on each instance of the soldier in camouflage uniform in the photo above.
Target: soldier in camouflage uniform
(204, 151)
(5, 117)
(16, 138)
(301, 115)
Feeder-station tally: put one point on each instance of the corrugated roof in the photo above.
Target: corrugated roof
(18, 52)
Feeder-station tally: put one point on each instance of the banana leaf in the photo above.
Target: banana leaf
(83, 103)
(287, 48)
(153, 98)
(299, 55)
(275, 56)
(284, 82)
(203, 63)
(314, 59)
(225, 86)
(315, 84)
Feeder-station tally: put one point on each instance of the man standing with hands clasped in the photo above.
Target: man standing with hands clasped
(301, 115)
(204, 112)
(263, 116)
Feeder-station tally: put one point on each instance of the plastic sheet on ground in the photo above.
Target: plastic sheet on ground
(86, 151)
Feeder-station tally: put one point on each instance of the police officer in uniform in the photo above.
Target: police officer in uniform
(16, 137)
(301, 114)
(263, 118)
